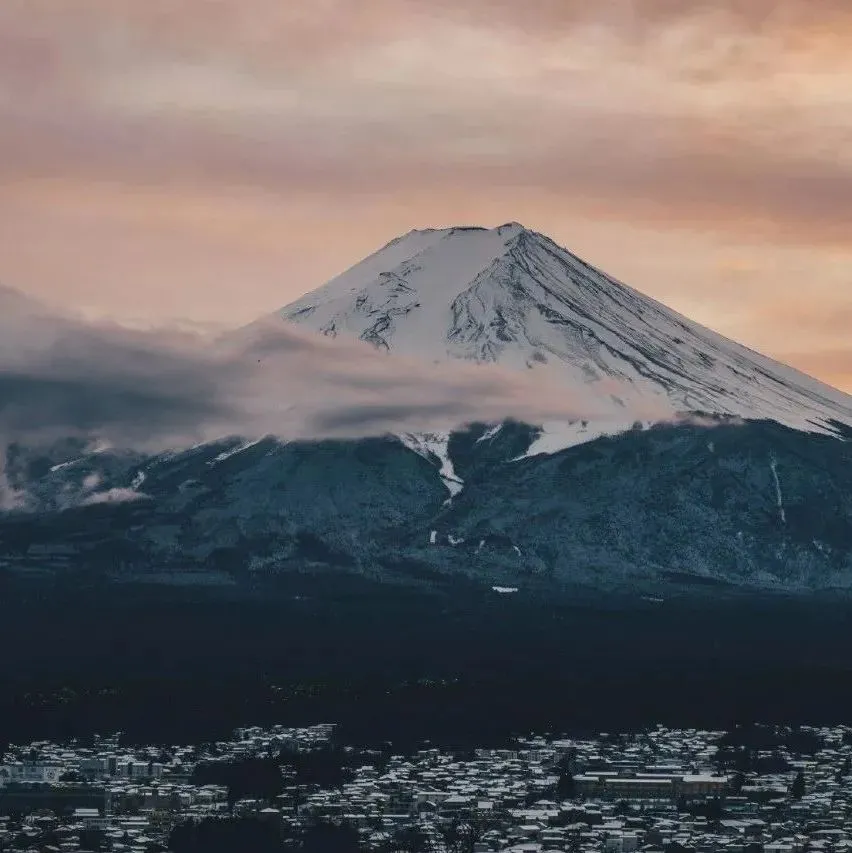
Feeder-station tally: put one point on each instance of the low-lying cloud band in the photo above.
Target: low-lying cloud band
(150, 391)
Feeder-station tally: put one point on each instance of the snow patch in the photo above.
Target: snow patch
(558, 435)
(63, 465)
(779, 498)
(504, 590)
(489, 434)
(234, 451)
(435, 445)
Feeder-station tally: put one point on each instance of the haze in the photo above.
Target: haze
(206, 161)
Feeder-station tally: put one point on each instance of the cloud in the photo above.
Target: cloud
(647, 18)
(304, 384)
(91, 481)
(215, 159)
(696, 114)
(61, 378)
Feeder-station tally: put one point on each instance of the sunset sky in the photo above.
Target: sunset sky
(207, 161)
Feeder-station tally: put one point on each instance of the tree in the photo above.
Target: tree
(712, 809)
(92, 839)
(411, 839)
(251, 778)
(463, 836)
(623, 809)
(737, 782)
(161, 821)
(566, 787)
(71, 776)
(797, 789)
(331, 838)
(328, 767)
(226, 836)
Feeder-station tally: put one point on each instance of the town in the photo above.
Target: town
(752, 790)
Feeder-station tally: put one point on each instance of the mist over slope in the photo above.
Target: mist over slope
(63, 377)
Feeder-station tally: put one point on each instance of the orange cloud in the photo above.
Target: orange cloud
(153, 154)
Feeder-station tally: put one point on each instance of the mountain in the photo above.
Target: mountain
(754, 506)
(501, 574)
(754, 495)
(512, 296)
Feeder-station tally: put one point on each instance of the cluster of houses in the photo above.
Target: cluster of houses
(53, 796)
(661, 791)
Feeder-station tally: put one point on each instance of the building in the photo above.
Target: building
(649, 786)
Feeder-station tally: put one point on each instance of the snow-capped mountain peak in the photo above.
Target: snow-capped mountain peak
(513, 296)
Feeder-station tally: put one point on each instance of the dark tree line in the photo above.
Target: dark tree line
(251, 778)
(463, 836)
(265, 778)
(329, 767)
(249, 835)
(712, 809)
(755, 737)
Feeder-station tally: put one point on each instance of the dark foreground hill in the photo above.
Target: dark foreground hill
(456, 665)
(659, 576)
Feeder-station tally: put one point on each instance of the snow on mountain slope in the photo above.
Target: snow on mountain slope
(435, 445)
(512, 296)
(414, 278)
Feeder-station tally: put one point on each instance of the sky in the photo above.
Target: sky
(203, 162)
